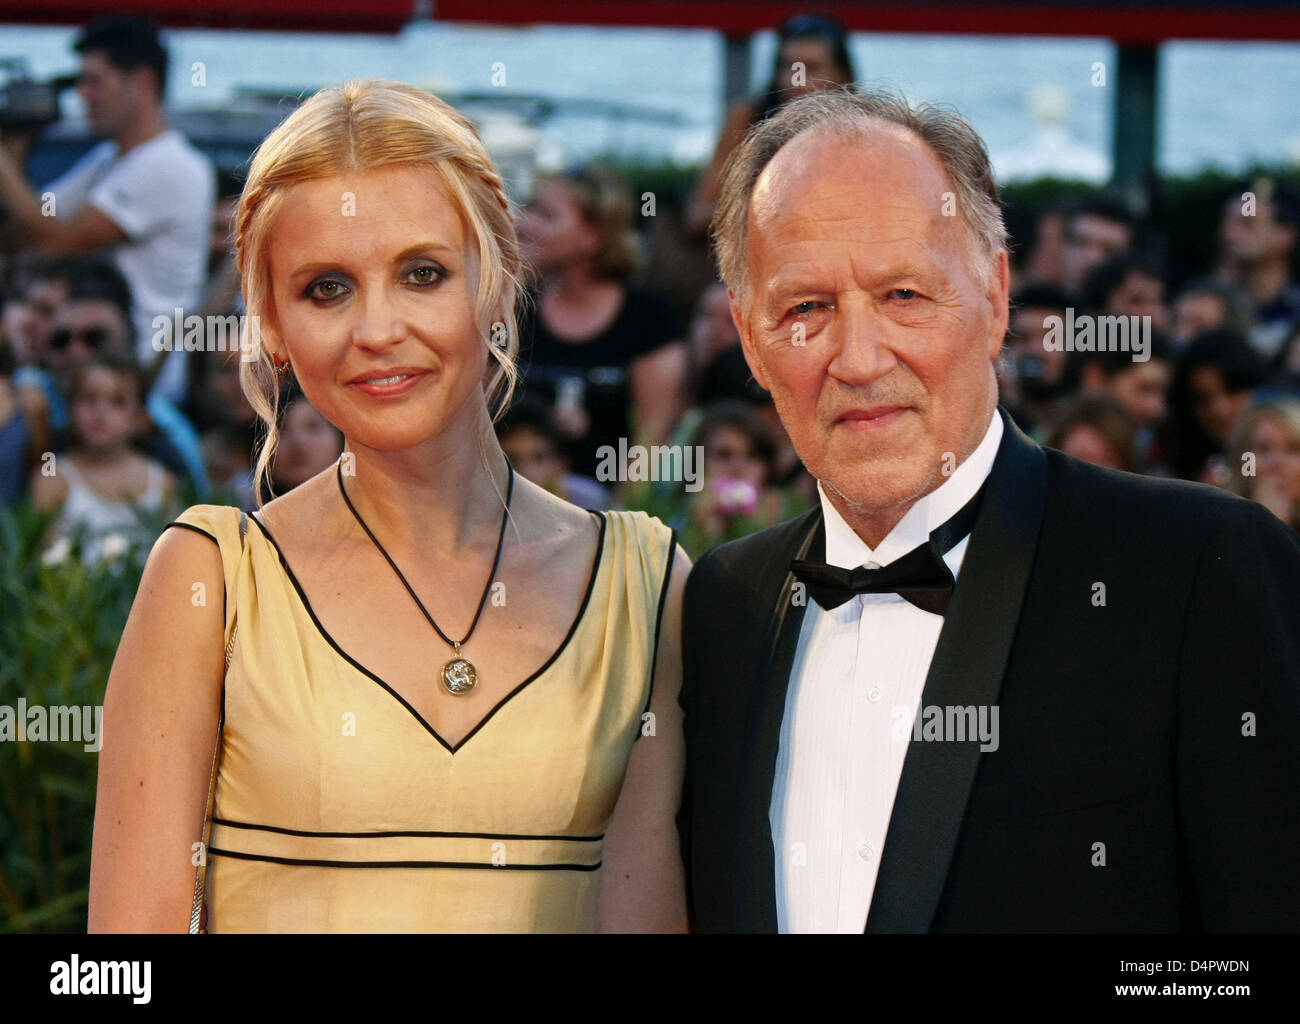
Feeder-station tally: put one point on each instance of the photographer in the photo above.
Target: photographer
(144, 194)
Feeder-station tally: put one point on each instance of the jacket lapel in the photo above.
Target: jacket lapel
(969, 661)
(754, 895)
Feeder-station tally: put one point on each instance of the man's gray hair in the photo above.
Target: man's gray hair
(846, 112)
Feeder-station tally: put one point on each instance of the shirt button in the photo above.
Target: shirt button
(871, 565)
(866, 851)
(874, 694)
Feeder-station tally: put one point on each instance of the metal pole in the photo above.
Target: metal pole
(1135, 125)
(736, 66)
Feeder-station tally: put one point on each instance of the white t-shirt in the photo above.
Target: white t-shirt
(161, 195)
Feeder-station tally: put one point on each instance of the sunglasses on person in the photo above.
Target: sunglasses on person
(92, 337)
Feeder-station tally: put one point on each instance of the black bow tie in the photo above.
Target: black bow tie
(921, 576)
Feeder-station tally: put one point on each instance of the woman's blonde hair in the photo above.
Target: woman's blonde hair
(605, 202)
(361, 126)
(1282, 408)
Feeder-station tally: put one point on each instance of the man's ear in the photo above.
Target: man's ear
(746, 341)
(147, 90)
(999, 300)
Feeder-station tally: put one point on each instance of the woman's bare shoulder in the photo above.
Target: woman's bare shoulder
(179, 557)
(550, 510)
(302, 510)
(558, 527)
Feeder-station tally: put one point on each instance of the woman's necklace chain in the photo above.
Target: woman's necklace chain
(459, 676)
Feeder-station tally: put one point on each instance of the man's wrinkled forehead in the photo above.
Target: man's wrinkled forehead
(876, 173)
(885, 156)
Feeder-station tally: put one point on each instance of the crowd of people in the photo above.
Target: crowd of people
(622, 336)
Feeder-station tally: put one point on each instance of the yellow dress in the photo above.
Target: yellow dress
(338, 808)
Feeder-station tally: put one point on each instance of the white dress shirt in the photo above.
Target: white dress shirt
(855, 683)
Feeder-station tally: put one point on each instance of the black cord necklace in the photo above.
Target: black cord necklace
(458, 676)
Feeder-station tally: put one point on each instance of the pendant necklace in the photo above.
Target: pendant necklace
(459, 675)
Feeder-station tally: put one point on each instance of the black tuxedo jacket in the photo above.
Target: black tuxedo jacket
(1163, 724)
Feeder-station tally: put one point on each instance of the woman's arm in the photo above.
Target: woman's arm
(47, 493)
(36, 411)
(657, 383)
(159, 734)
(643, 884)
(704, 202)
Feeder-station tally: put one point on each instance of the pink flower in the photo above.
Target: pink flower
(736, 497)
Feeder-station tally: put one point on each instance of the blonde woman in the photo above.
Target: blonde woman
(1266, 463)
(451, 701)
(607, 355)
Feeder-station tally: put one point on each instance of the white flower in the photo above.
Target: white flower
(57, 552)
(113, 546)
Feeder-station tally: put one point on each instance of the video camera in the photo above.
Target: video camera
(26, 104)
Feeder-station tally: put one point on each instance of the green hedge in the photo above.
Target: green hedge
(59, 630)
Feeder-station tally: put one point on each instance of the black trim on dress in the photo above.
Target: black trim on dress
(200, 530)
(659, 621)
(386, 835)
(294, 862)
(582, 610)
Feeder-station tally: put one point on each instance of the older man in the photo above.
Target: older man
(984, 686)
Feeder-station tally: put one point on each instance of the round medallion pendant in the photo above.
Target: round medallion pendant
(459, 676)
